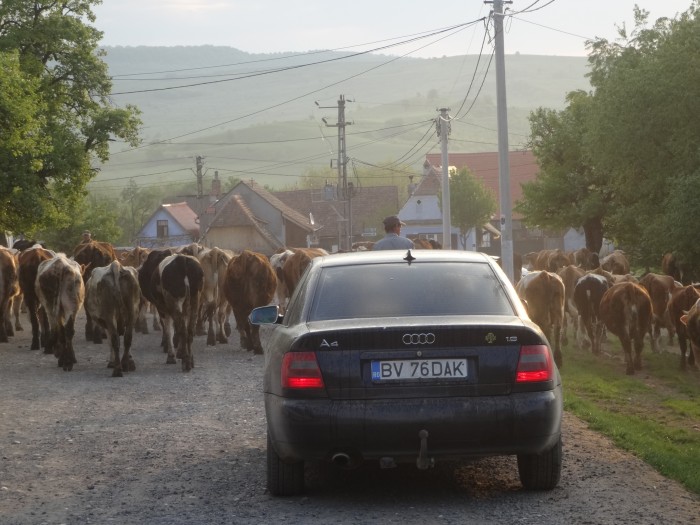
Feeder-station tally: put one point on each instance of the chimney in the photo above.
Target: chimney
(411, 185)
(216, 186)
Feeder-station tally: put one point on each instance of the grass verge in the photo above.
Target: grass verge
(654, 414)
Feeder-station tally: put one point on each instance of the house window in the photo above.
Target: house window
(162, 229)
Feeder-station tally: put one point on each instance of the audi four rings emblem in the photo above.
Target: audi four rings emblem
(418, 339)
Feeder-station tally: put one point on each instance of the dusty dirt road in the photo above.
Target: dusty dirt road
(163, 447)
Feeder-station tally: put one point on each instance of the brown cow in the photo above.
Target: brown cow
(29, 261)
(214, 307)
(543, 294)
(660, 288)
(691, 321)
(627, 312)
(277, 261)
(551, 260)
(422, 244)
(295, 265)
(9, 289)
(135, 257)
(61, 291)
(682, 300)
(112, 296)
(91, 255)
(616, 263)
(250, 282)
(570, 275)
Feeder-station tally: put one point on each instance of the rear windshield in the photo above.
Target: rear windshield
(390, 290)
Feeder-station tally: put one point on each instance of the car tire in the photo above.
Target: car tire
(283, 478)
(541, 471)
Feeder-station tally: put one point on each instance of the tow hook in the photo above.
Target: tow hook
(423, 462)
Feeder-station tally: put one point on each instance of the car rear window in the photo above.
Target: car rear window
(390, 290)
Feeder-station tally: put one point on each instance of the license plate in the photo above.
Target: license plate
(419, 369)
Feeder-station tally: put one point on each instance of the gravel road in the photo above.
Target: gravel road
(160, 446)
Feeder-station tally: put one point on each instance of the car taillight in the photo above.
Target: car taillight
(534, 364)
(300, 370)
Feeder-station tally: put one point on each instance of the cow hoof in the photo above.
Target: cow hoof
(117, 373)
(171, 360)
(258, 351)
(130, 366)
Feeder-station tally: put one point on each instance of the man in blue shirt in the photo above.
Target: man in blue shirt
(392, 240)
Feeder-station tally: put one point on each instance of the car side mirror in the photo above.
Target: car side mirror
(265, 315)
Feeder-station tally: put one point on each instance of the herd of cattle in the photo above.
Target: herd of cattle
(186, 288)
(191, 287)
(595, 294)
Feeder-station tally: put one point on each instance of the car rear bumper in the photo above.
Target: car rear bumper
(317, 429)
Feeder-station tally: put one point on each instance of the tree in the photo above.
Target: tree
(472, 204)
(21, 142)
(642, 128)
(139, 204)
(569, 191)
(62, 83)
(97, 214)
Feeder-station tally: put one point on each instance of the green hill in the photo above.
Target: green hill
(256, 115)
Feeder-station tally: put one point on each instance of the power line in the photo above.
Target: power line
(394, 59)
(298, 66)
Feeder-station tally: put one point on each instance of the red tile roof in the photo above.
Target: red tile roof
(523, 168)
(184, 216)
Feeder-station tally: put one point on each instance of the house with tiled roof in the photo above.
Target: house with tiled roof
(423, 215)
(251, 217)
(368, 206)
(173, 224)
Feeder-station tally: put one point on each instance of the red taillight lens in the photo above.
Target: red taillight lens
(300, 370)
(535, 364)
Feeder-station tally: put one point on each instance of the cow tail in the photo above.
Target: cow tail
(116, 275)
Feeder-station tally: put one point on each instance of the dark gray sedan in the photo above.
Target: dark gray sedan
(408, 357)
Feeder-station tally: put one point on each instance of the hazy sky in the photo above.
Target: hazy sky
(558, 27)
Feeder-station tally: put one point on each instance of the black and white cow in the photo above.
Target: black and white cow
(173, 283)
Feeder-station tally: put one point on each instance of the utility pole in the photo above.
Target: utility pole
(199, 164)
(344, 195)
(503, 158)
(443, 130)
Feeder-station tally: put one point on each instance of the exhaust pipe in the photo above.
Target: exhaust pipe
(341, 459)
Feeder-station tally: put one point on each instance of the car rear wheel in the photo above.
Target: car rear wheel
(283, 478)
(541, 471)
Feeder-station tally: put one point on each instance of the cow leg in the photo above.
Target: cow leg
(114, 361)
(128, 363)
(693, 355)
(142, 321)
(558, 357)
(45, 334)
(683, 345)
(202, 315)
(227, 322)
(17, 304)
(34, 321)
(597, 334)
(168, 339)
(258, 350)
(221, 336)
(627, 348)
(565, 326)
(210, 313)
(68, 334)
(638, 346)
